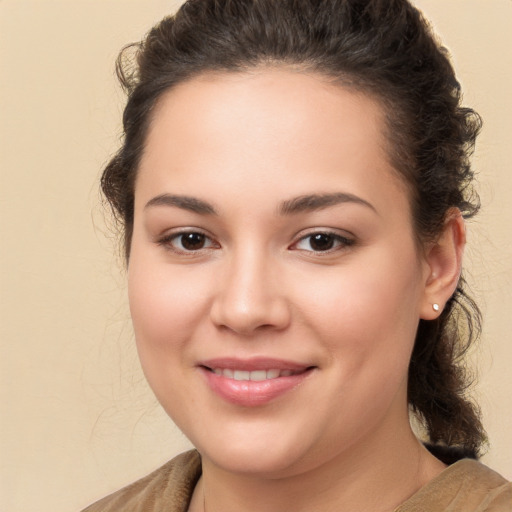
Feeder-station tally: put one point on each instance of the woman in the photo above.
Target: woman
(292, 186)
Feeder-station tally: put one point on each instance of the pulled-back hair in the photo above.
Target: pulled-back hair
(383, 48)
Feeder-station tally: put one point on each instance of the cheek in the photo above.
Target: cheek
(368, 313)
(166, 306)
(167, 309)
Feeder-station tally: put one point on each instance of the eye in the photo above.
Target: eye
(322, 242)
(187, 241)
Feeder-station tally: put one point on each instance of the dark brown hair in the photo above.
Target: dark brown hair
(384, 48)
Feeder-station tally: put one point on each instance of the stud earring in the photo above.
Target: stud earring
(435, 307)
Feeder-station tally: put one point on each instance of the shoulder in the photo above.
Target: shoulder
(168, 488)
(466, 486)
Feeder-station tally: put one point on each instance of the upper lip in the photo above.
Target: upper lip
(253, 364)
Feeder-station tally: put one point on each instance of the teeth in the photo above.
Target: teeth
(256, 375)
(273, 374)
(241, 375)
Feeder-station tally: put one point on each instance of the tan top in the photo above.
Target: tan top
(466, 486)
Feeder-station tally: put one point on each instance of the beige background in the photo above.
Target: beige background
(77, 419)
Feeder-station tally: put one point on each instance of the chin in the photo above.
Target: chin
(255, 451)
(253, 460)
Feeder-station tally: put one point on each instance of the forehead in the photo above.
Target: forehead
(277, 129)
(279, 103)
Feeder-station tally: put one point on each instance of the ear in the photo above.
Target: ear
(443, 263)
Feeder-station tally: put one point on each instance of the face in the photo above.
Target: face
(274, 281)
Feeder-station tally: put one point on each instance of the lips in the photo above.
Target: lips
(254, 382)
(255, 375)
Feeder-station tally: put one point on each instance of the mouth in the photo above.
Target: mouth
(255, 375)
(253, 382)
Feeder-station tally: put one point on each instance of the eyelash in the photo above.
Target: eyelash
(340, 242)
(167, 242)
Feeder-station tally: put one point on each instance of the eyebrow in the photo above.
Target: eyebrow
(312, 202)
(305, 203)
(192, 204)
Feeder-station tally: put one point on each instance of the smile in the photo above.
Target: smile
(256, 375)
(255, 382)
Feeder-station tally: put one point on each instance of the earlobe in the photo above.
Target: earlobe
(444, 263)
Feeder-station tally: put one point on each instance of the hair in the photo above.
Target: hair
(384, 48)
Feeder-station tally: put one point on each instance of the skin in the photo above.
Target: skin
(245, 146)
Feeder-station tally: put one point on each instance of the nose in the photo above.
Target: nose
(249, 296)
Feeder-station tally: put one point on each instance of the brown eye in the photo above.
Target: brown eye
(321, 242)
(187, 241)
(192, 241)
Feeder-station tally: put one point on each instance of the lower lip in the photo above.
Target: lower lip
(248, 393)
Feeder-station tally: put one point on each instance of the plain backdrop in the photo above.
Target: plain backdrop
(77, 419)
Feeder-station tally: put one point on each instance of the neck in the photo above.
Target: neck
(377, 475)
